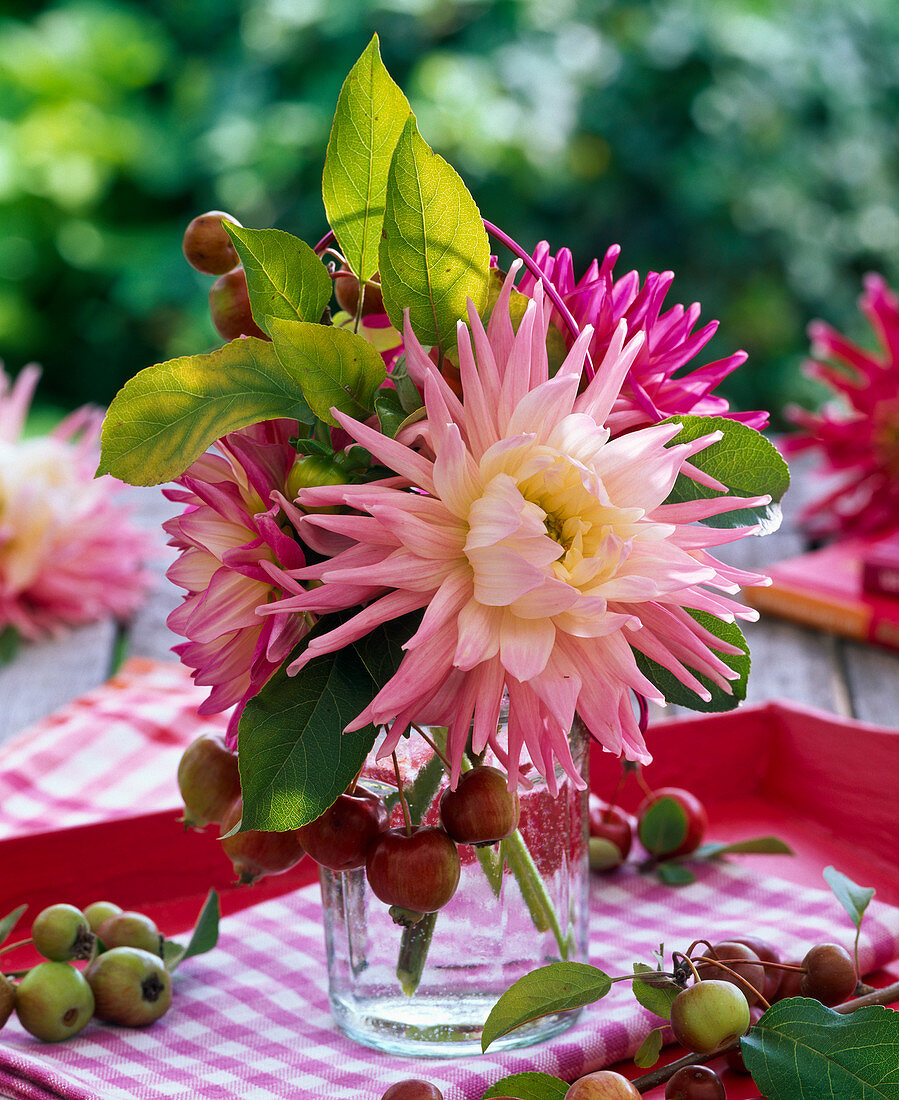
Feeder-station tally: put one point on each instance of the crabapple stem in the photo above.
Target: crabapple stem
(328, 239)
(533, 889)
(13, 946)
(689, 962)
(722, 965)
(402, 795)
(421, 733)
(551, 292)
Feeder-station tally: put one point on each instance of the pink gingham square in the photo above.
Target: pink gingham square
(251, 1018)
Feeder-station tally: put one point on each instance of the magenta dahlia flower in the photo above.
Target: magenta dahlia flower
(539, 549)
(653, 388)
(69, 553)
(857, 434)
(227, 532)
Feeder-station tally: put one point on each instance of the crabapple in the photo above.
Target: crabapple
(346, 291)
(99, 911)
(340, 838)
(61, 932)
(734, 1058)
(611, 835)
(130, 986)
(208, 779)
(768, 953)
(684, 831)
(54, 1001)
(482, 809)
(229, 305)
(745, 962)
(604, 1084)
(255, 853)
(709, 1014)
(418, 871)
(7, 998)
(206, 244)
(695, 1083)
(829, 974)
(131, 929)
(413, 1088)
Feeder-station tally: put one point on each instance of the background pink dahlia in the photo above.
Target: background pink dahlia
(857, 432)
(69, 553)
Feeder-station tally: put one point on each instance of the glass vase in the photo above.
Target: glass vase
(521, 903)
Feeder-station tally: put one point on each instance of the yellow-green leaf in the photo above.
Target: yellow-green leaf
(285, 278)
(371, 112)
(168, 414)
(335, 367)
(434, 253)
(559, 987)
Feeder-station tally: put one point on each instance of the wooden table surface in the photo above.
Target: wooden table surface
(788, 662)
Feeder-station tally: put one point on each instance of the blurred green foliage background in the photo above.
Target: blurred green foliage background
(748, 145)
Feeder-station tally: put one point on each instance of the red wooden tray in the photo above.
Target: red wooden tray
(823, 784)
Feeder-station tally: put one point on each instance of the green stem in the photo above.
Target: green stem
(533, 889)
(413, 954)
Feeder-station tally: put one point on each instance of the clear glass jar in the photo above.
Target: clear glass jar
(522, 903)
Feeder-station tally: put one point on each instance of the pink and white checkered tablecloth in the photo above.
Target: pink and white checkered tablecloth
(251, 1019)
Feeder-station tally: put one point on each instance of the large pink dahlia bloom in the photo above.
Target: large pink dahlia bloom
(653, 388)
(69, 554)
(857, 434)
(226, 533)
(539, 548)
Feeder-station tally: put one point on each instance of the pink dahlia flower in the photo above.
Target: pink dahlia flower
(858, 433)
(227, 532)
(653, 389)
(539, 549)
(69, 554)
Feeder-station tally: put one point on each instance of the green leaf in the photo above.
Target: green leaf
(292, 731)
(654, 991)
(854, 899)
(335, 367)
(370, 116)
(204, 937)
(799, 1048)
(650, 1049)
(530, 1085)
(10, 921)
(285, 278)
(558, 987)
(663, 827)
(744, 460)
(390, 412)
(434, 253)
(674, 874)
(679, 694)
(10, 640)
(167, 415)
(760, 845)
(406, 390)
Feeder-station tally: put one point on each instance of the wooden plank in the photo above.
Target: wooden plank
(873, 679)
(147, 633)
(45, 675)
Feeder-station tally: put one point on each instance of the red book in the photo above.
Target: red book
(825, 589)
(880, 567)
